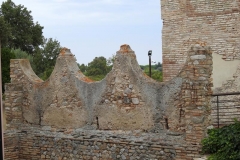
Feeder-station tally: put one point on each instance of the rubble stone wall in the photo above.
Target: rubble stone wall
(186, 22)
(11, 145)
(49, 143)
(126, 100)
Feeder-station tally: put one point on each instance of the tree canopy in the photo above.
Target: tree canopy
(4, 30)
(45, 57)
(100, 67)
(7, 54)
(25, 34)
(22, 38)
(156, 71)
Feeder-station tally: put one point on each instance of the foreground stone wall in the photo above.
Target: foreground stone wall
(67, 116)
(11, 144)
(51, 143)
(187, 22)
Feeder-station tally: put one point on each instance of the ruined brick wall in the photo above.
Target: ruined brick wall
(195, 93)
(126, 100)
(190, 21)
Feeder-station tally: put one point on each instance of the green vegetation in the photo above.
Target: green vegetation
(5, 32)
(45, 58)
(24, 33)
(97, 69)
(223, 143)
(21, 38)
(156, 71)
(19, 54)
(7, 54)
(100, 67)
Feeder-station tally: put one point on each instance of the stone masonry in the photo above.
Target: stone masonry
(187, 22)
(127, 115)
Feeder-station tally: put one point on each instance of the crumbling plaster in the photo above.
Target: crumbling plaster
(222, 70)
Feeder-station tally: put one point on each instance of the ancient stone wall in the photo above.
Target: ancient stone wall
(195, 103)
(187, 22)
(168, 119)
(11, 145)
(51, 143)
(126, 99)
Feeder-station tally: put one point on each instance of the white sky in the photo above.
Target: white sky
(93, 28)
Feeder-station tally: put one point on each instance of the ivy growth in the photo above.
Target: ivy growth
(223, 143)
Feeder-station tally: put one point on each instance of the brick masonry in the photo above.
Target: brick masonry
(127, 115)
(187, 22)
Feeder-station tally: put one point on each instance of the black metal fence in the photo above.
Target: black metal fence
(225, 108)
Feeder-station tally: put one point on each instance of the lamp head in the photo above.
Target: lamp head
(150, 53)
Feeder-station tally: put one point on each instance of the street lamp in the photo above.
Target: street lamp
(149, 55)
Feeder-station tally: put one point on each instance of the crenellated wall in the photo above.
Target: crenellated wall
(170, 118)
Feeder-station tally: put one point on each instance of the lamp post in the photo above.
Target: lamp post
(149, 55)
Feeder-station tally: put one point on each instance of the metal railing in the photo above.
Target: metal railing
(226, 103)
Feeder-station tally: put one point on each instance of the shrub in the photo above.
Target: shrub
(223, 143)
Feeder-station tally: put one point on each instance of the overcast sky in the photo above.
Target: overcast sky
(93, 28)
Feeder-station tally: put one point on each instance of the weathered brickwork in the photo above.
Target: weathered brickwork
(195, 93)
(11, 144)
(127, 115)
(13, 105)
(187, 22)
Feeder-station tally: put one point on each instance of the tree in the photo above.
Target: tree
(111, 60)
(4, 31)
(25, 34)
(82, 67)
(156, 71)
(97, 67)
(38, 61)
(158, 66)
(156, 74)
(45, 57)
(5, 62)
(50, 52)
(7, 54)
